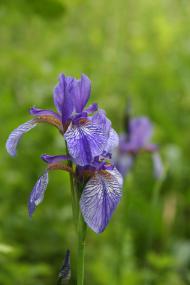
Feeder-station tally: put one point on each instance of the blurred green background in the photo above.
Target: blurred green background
(128, 48)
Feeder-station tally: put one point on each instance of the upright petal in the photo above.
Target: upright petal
(81, 92)
(63, 96)
(37, 194)
(140, 132)
(85, 141)
(16, 135)
(100, 197)
(92, 108)
(58, 95)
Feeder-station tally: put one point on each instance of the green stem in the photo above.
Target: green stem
(81, 249)
(74, 200)
(76, 190)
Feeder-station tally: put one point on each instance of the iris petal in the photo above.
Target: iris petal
(16, 135)
(113, 138)
(85, 141)
(37, 193)
(43, 112)
(100, 197)
(81, 92)
(113, 141)
(54, 158)
(100, 119)
(124, 163)
(63, 96)
(140, 132)
(92, 108)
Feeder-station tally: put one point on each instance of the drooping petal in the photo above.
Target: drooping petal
(37, 194)
(100, 197)
(113, 141)
(99, 118)
(81, 92)
(85, 141)
(54, 158)
(16, 135)
(63, 96)
(117, 176)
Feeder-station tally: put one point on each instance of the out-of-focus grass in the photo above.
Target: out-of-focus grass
(131, 49)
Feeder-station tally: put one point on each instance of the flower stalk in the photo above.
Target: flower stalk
(81, 249)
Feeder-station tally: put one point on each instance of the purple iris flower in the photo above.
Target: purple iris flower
(103, 181)
(100, 196)
(90, 140)
(137, 139)
(85, 137)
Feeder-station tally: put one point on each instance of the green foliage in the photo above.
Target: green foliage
(128, 48)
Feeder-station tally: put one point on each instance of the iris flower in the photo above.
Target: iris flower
(85, 139)
(90, 140)
(136, 140)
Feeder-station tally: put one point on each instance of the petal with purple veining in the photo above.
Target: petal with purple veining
(37, 194)
(17, 134)
(113, 141)
(85, 141)
(100, 197)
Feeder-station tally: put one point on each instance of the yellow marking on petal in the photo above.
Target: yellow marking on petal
(83, 121)
(59, 166)
(51, 120)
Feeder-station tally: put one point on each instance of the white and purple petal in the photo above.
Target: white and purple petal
(16, 135)
(100, 197)
(113, 141)
(85, 141)
(99, 118)
(37, 194)
(54, 158)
